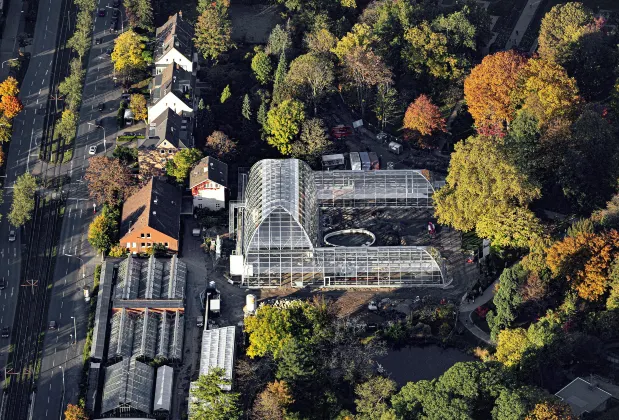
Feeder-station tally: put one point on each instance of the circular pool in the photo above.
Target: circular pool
(350, 237)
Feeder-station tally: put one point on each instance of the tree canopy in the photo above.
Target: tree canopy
(23, 200)
(130, 54)
(103, 231)
(109, 181)
(209, 402)
(283, 124)
(424, 117)
(213, 32)
(182, 163)
(561, 27)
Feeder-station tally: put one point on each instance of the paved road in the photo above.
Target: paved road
(61, 357)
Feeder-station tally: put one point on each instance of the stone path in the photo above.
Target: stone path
(466, 309)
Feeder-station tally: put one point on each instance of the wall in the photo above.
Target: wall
(155, 237)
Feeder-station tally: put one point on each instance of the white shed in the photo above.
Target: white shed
(163, 389)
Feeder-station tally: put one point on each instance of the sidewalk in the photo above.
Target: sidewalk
(527, 15)
(466, 309)
(8, 47)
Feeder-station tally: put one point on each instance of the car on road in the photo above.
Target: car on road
(101, 12)
(92, 150)
(115, 3)
(113, 24)
(108, 51)
(115, 12)
(6, 331)
(2, 283)
(12, 236)
(52, 325)
(101, 106)
(98, 41)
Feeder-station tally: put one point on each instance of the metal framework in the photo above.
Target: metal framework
(218, 351)
(128, 386)
(278, 234)
(121, 335)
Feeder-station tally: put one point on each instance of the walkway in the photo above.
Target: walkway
(527, 15)
(466, 309)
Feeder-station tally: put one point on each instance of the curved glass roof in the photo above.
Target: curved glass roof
(281, 209)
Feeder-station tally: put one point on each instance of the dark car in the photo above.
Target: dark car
(6, 332)
(108, 51)
(98, 41)
(101, 12)
(115, 3)
(101, 106)
(53, 325)
(2, 283)
(113, 25)
(115, 12)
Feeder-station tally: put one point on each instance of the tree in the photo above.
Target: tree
(220, 145)
(139, 14)
(129, 54)
(298, 362)
(486, 192)
(360, 37)
(6, 129)
(320, 41)
(11, 106)
(75, 412)
(103, 230)
(551, 410)
(283, 124)
(489, 88)
(66, 127)
(423, 117)
(386, 105)
(548, 92)
(213, 32)
(9, 87)
(364, 70)
(426, 52)
(109, 181)
(126, 155)
(514, 404)
(461, 33)
(507, 299)
(209, 402)
(246, 108)
(182, 163)
(313, 141)
(279, 40)
(279, 79)
(272, 402)
(511, 345)
(261, 66)
(118, 251)
(71, 86)
(225, 94)
(561, 27)
(80, 41)
(523, 147)
(137, 105)
(23, 200)
(311, 76)
(373, 396)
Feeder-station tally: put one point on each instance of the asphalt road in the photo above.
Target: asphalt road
(62, 356)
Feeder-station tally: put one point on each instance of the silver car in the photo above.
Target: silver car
(12, 236)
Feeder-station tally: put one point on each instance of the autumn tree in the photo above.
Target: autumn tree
(182, 163)
(313, 141)
(103, 230)
(511, 345)
(220, 145)
(489, 88)
(75, 412)
(486, 192)
(262, 67)
(11, 106)
(272, 402)
(360, 37)
(312, 77)
(9, 87)
(364, 70)
(139, 14)
(118, 251)
(209, 402)
(129, 54)
(6, 129)
(283, 124)
(109, 181)
(551, 410)
(423, 117)
(320, 41)
(137, 105)
(213, 32)
(547, 91)
(22, 206)
(561, 27)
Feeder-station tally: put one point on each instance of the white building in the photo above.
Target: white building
(173, 89)
(174, 44)
(208, 181)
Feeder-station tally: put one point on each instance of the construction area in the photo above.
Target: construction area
(138, 333)
(287, 216)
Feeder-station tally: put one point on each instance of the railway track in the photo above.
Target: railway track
(37, 266)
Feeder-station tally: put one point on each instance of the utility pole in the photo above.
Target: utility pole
(74, 331)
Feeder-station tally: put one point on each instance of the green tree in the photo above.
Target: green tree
(66, 127)
(182, 162)
(312, 77)
(127, 155)
(313, 141)
(279, 86)
(283, 124)
(261, 115)
(71, 86)
(103, 230)
(523, 147)
(280, 40)
(225, 94)
(262, 67)
(23, 200)
(246, 108)
(298, 361)
(507, 299)
(320, 41)
(80, 41)
(213, 32)
(386, 105)
(514, 404)
(561, 27)
(209, 402)
(460, 32)
(373, 397)
(139, 14)
(6, 129)
(359, 37)
(497, 204)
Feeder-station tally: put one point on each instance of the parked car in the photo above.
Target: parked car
(12, 236)
(92, 150)
(113, 24)
(98, 41)
(101, 12)
(6, 332)
(101, 106)
(53, 325)
(2, 283)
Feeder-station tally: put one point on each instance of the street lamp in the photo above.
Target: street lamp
(62, 404)
(74, 330)
(10, 59)
(100, 126)
(82, 261)
(122, 21)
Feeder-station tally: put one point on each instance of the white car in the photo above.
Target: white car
(92, 150)
(12, 236)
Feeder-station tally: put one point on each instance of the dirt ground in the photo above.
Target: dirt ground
(253, 24)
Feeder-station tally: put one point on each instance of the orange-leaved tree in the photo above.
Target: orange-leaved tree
(74, 412)
(11, 106)
(551, 410)
(585, 260)
(424, 117)
(489, 88)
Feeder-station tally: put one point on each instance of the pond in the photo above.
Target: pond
(415, 363)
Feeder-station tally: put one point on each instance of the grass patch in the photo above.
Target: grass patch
(121, 139)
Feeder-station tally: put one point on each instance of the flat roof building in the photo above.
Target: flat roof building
(584, 397)
(163, 389)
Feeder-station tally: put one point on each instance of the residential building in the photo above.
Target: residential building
(584, 397)
(175, 44)
(164, 137)
(152, 217)
(208, 182)
(171, 88)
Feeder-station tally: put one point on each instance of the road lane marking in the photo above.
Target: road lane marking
(12, 291)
